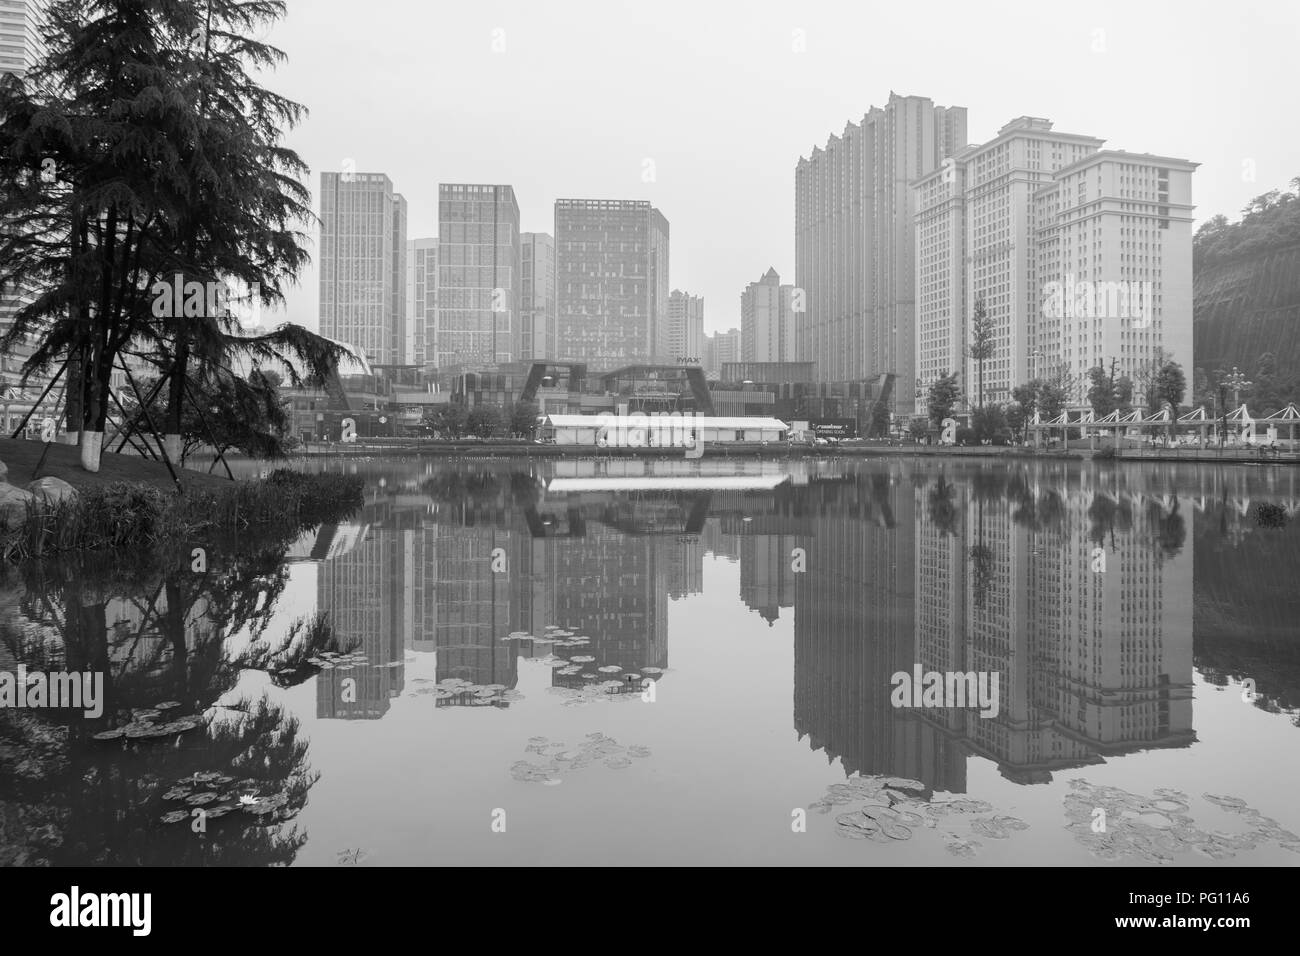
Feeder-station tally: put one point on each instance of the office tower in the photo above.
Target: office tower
(1078, 256)
(421, 301)
(1114, 269)
(611, 282)
(21, 45)
(718, 348)
(942, 315)
(21, 48)
(537, 306)
(854, 240)
(686, 328)
(399, 349)
(362, 283)
(767, 320)
(478, 274)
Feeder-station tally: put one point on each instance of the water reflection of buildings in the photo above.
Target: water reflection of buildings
(855, 626)
(362, 591)
(981, 570)
(977, 573)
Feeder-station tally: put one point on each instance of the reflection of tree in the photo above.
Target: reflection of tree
(1034, 511)
(475, 489)
(1106, 516)
(986, 487)
(1171, 530)
(981, 558)
(156, 634)
(942, 510)
(83, 803)
(1246, 607)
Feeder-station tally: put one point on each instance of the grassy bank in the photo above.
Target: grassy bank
(141, 516)
(29, 460)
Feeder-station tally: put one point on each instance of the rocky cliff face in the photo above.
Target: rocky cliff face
(1246, 307)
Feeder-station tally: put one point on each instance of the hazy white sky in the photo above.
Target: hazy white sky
(570, 98)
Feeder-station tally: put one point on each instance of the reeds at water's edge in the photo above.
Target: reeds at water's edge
(125, 515)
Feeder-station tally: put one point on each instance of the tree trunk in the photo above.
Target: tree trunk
(74, 389)
(176, 397)
(92, 445)
(98, 380)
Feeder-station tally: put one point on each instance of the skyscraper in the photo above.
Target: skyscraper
(21, 43)
(1114, 269)
(478, 275)
(854, 239)
(686, 327)
(362, 264)
(21, 48)
(1078, 256)
(421, 300)
(767, 320)
(611, 282)
(537, 307)
(718, 348)
(399, 349)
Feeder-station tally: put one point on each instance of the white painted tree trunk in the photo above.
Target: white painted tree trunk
(92, 445)
(172, 445)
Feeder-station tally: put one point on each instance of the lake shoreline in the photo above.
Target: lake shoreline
(490, 449)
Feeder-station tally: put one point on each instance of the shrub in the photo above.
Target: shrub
(1270, 515)
(124, 515)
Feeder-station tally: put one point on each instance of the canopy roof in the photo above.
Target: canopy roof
(663, 421)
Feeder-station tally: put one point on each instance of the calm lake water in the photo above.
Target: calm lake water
(515, 662)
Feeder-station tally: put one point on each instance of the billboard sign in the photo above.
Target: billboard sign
(834, 427)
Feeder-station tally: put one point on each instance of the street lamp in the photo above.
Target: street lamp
(1236, 381)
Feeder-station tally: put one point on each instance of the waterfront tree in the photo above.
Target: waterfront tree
(448, 420)
(137, 163)
(942, 397)
(981, 344)
(1171, 384)
(485, 421)
(227, 412)
(523, 419)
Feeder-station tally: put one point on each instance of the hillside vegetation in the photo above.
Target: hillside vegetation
(1247, 300)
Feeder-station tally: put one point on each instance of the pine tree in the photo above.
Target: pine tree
(981, 343)
(163, 159)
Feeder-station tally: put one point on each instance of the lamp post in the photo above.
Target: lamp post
(1235, 381)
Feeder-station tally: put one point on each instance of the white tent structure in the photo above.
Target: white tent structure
(660, 431)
